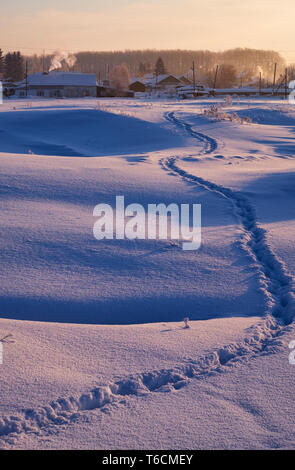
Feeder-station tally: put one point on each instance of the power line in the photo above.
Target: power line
(36, 48)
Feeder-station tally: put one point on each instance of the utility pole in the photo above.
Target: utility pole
(194, 76)
(274, 79)
(26, 78)
(215, 78)
(286, 84)
(43, 61)
(260, 83)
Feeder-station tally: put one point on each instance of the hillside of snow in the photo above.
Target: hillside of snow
(101, 358)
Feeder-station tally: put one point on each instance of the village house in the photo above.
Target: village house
(59, 85)
(161, 82)
(137, 86)
(164, 82)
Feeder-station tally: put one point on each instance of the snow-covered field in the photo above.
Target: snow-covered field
(101, 358)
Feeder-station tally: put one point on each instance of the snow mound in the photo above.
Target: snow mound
(271, 117)
(264, 338)
(80, 132)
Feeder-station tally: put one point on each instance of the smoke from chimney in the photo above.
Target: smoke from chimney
(259, 70)
(59, 58)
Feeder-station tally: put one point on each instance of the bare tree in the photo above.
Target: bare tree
(120, 77)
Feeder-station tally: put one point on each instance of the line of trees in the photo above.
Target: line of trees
(178, 62)
(236, 65)
(12, 66)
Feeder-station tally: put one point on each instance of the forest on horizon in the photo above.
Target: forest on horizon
(249, 62)
(240, 66)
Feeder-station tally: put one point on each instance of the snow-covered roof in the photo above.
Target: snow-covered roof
(148, 76)
(135, 80)
(156, 80)
(183, 78)
(62, 79)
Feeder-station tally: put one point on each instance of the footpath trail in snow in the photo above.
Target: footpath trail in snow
(264, 338)
(210, 144)
(276, 283)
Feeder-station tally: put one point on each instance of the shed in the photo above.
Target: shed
(137, 86)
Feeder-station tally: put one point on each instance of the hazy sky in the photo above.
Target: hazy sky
(135, 24)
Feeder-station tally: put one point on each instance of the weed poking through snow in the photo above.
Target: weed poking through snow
(7, 339)
(186, 320)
